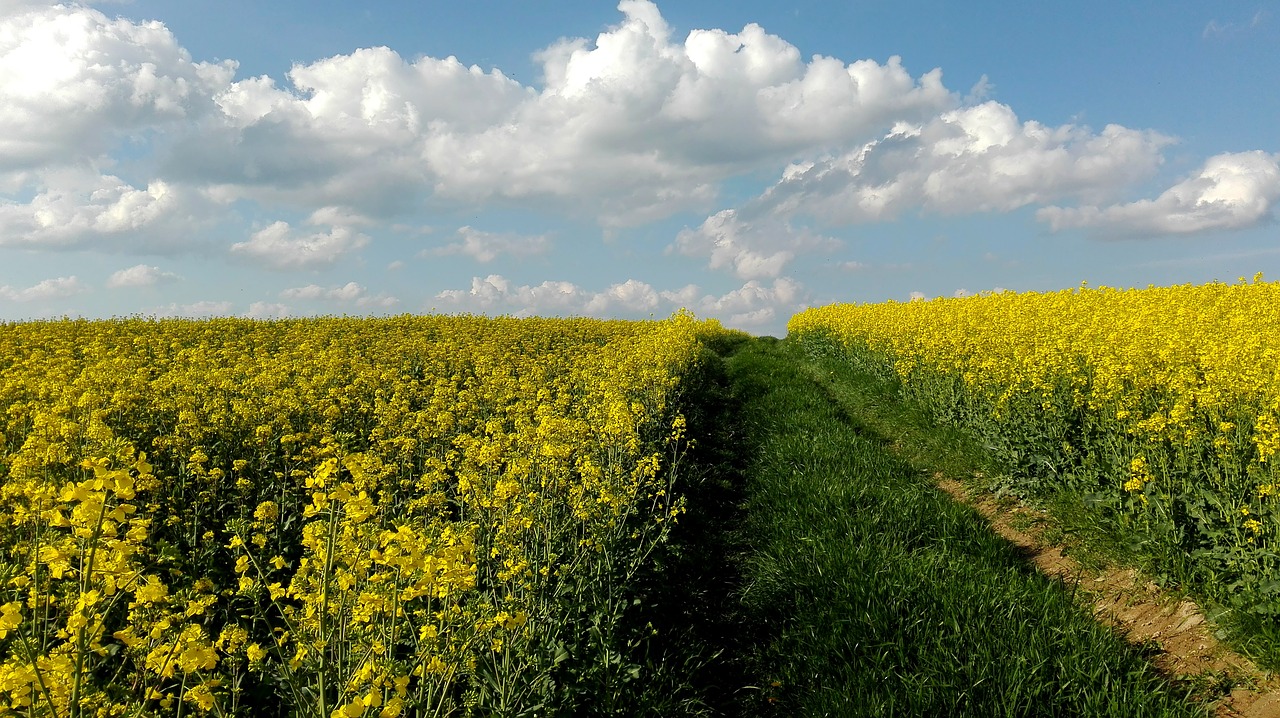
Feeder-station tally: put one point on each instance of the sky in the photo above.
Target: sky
(741, 160)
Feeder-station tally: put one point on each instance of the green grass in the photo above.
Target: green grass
(1092, 537)
(860, 589)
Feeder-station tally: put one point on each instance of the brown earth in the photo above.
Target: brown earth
(1140, 610)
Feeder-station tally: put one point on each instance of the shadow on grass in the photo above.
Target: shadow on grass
(694, 643)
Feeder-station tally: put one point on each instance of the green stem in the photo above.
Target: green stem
(35, 666)
(324, 609)
(182, 689)
(86, 576)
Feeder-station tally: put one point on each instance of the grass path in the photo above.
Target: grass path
(855, 587)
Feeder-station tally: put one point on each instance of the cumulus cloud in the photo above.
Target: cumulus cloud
(651, 122)
(497, 293)
(756, 303)
(78, 208)
(633, 125)
(749, 248)
(1230, 191)
(751, 305)
(631, 295)
(643, 122)
(495, 290)
(347, 132)
(75, 80)
(339, 216)
(139, 275)
(48, 289)
(281, 247)
(485, 247)
(973, 159)
(203, 308)
(349, 293)
(267, 310)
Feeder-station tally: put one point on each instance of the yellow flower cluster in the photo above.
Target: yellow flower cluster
(1165, 398)
(347, 516)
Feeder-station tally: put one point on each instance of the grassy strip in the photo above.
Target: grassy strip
(868, 592)
(1094, 538)
(876, 407)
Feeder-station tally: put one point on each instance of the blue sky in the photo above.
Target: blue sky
(743, 160)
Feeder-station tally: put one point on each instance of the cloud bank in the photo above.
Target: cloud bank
(1231, 191)
(754, 304)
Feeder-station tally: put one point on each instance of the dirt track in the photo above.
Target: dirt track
(1144, 613)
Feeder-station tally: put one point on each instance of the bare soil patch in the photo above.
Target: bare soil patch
(1120, 597)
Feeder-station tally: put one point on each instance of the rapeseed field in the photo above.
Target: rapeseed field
(329, 517)
(1158, 407)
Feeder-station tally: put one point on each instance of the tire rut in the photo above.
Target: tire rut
(1141, 611)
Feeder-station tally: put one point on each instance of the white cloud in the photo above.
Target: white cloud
(630, 296)
(349, 293)
(267, 310)
(853, 266)
(643, 123)
(634, 125)
(339, 216)
(48, 289)
(485, 247)
(77, 208)
(974, 159)
(140, 275)
(723, 97)
(204, 308)
(280, 247)
(1223, 29)
(496, 291)
(1231, 191)
(75, 80)
(754, 304)
(751, 249)
(349, 134)
(648, 124)
(380, 301)
(684, 298)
